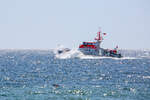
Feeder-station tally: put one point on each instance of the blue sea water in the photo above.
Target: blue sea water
(39, 75)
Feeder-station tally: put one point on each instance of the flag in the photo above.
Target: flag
(104, 33)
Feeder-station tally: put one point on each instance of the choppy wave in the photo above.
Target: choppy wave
(39, 75)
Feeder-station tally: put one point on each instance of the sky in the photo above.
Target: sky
(45, 24)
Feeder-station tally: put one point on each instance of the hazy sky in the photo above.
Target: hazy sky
(43, 24)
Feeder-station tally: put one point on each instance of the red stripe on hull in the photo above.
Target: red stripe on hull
(88, 46)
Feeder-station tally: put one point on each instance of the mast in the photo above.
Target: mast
(99, 39)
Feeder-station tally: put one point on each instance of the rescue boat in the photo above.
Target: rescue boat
(95, 49)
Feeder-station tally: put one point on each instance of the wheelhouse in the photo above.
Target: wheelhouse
(91, 45)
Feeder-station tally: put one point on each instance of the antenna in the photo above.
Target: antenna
(99, 37)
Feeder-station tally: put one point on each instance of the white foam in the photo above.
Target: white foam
(146, 77)
(124, 58)
(74, 53)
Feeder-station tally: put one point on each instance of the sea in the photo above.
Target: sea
(45, 75)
